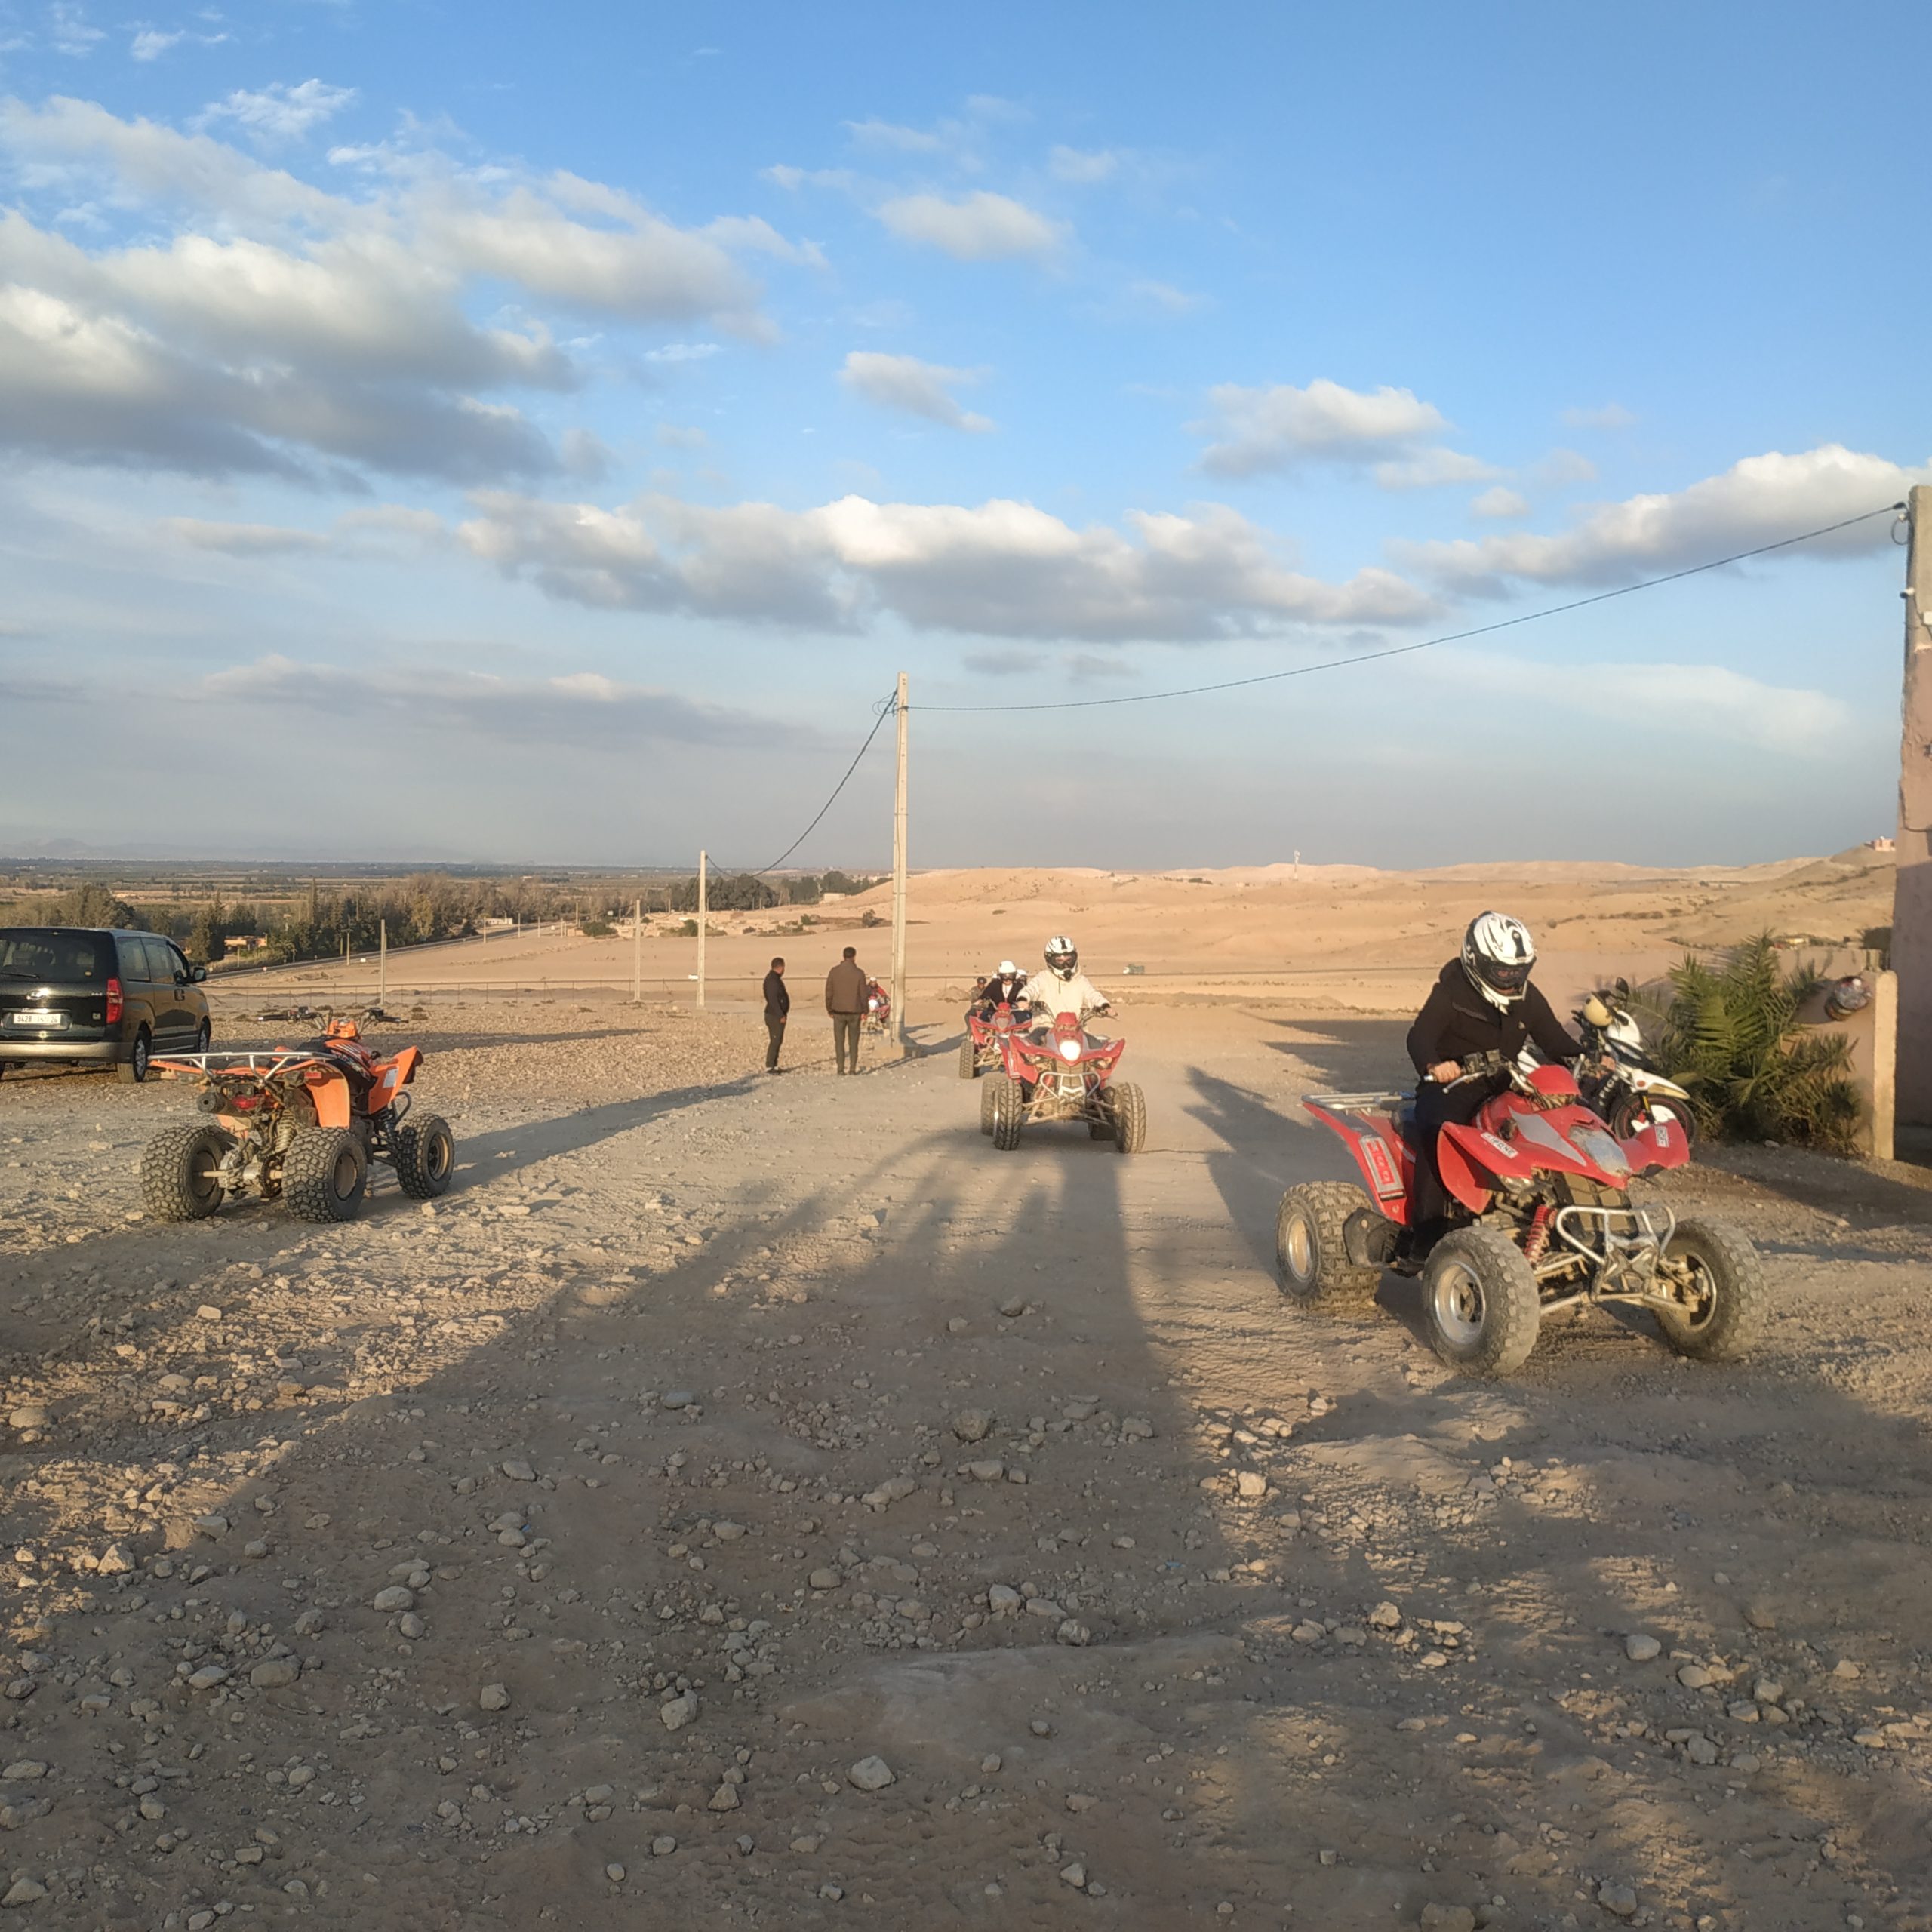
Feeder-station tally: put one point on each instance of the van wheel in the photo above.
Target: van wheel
(203, 1037)
(425, 1157)
(133, 1069)
(179, 1170)
(1311, 1246)
(324, 1174)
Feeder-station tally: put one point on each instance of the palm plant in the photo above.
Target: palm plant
(1730, 1038)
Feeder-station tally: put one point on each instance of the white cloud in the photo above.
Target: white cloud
(1432, 468)
(68, 30)
(673, 353)
(1500, 502)
(1003, 569)
(1261, 429)
(377, 531)
(1082, 168)
(876, 134)
(1759, 501)
(978, 227)
(1164, 297)
(1562, 467)
(150, 44)
(274, 323)
(582, 711)
(279, 112)
(1609, 416)
(680, 436)
(919, 388)
(1703, 701)
(243, 539)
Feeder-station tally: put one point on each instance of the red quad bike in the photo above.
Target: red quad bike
(984, 1046)
(1068, 1076)
(1546, 1186)
(303, 1123)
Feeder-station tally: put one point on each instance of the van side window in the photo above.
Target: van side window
(158, 971)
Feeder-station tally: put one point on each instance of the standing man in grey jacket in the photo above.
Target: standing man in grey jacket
(845, 1000)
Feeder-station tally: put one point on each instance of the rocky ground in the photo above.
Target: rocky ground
(759, 1501)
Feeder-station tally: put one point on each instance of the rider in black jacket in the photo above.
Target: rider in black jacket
(1481, 1003)
(1007, 987)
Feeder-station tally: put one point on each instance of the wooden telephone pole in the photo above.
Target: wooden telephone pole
(1912, 893)
(703, 909)
(899, 879)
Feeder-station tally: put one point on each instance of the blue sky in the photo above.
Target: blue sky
(478, 432)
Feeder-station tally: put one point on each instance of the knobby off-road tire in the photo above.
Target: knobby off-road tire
(178, 1167)
(1130, 1112)
(1725, 1267)
(988, 1088)
(1309, 1249)
(1623, 1122)
(1480, 1301)
(324, 1174)
(133, 1069)
(425, 1156)
(969, 1058)
(1009, 1112)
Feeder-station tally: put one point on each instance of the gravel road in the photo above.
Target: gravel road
(749, 1500)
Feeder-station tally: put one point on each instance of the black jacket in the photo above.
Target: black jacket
(1457, 1021)
(777, 996)
(995, 992)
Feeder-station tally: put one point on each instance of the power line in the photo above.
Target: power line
(1425, 643)
(885, 712)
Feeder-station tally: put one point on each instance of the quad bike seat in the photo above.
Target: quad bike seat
(1405, 1119)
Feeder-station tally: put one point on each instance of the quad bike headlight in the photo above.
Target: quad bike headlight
(1069, 1050)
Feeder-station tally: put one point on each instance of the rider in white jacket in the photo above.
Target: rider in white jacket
(1063, 988)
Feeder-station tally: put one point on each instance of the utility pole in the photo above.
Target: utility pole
(899, 879)
(637, 954)
(703, 908)
(1912, 890)
(383, 963)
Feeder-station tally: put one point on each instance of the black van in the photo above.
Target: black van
(93, 997)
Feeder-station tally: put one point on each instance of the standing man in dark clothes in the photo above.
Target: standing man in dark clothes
(1482, 1003)
(777, 1006)
(845, 1000)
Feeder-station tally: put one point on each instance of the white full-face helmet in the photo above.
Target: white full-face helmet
(1062, 955)
(1007, 970)
(1497, 955)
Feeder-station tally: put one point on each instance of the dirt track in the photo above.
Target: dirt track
(1215, 1721)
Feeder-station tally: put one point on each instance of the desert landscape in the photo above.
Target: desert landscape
(755, 1500)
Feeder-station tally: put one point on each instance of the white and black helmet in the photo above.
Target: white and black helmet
(1062, 955)
(1497, 955)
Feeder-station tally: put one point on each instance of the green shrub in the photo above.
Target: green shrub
(596, 928)
(1730, 1039)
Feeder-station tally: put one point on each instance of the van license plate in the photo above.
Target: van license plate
(42, 1021)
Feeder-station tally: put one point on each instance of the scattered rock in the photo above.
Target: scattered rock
(972, 1424)
(615, 1872)
(1384, 1616)
(678, 1711)
(1639, 1646)
(824, 1580)
(678, 1399)
(1760, 1616)
(870, 1774)
(987, 1471)
(1137, 1429)
(1438, 1918)
(894, 1489)
(275, 1673)
(1694, 1677)
(23, 1891)
(663, 1845)
(493, 1697)
(29, 1415)
(397, 1596)
(724, 1799)
(1013, 1305)
(1074, 1874)
(1618, 1899)
(517, 1470)
(208, 1677)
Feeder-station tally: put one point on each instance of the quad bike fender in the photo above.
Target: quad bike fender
(1660, 1145)
(330, 1092)
(1387, 1163)
(392, 1076)
(1466, 1157)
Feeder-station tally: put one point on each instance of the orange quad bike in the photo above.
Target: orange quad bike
(300, 1123)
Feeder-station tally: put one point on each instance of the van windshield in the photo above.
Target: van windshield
(51, 956)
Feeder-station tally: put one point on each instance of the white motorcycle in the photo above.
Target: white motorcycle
(1631, 1093)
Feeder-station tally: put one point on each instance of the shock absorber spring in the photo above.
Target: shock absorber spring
(1538, 1238)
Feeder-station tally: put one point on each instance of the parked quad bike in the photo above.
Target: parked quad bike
(298, 1123)
(984, 1047)
(1546, 1185)
(1068, 1075)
